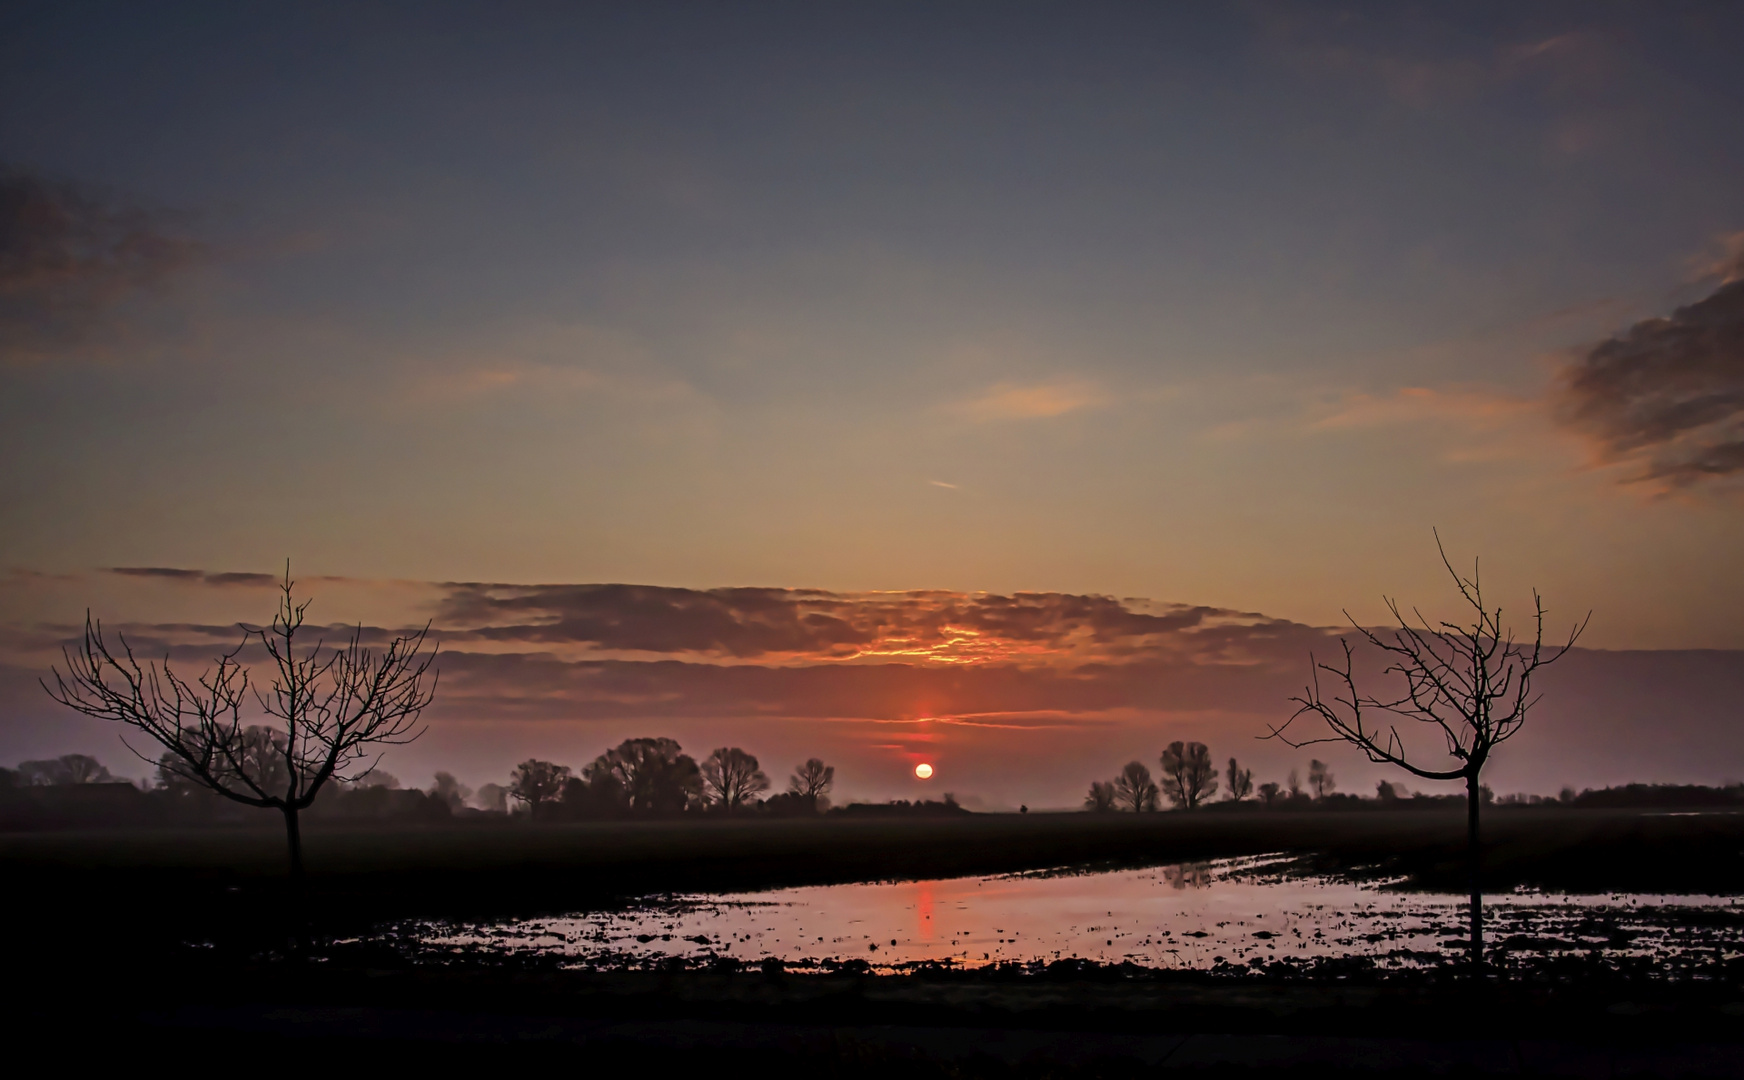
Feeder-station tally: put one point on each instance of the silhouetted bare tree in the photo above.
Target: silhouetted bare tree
(1320, 779)
(812, 782)
(334, 707)
(1240, 781)
(1189, 778)
(1467, 684)
(1269, 792)
(731, 777)
(536, 783)
(1102, 797)
(1135, 788)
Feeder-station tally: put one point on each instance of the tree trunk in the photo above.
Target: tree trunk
(294, 836)
(1474, 865)
(295, 942)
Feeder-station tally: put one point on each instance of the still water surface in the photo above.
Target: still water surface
(1187, 915)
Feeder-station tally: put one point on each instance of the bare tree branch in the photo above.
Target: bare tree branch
(329, 710)
(1468, 682)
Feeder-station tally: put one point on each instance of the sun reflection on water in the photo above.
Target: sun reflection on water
(1187, 915)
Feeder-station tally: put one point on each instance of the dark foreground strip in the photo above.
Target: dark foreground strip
(412, 1034)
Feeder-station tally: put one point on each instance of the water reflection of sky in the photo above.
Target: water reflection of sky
(1188, 915)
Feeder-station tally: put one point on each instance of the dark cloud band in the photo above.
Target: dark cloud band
(1669, 391)
(201, 577)
(757, 623)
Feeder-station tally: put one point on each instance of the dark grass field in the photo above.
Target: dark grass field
(371, 1009)
(102, 923)
(516, 868)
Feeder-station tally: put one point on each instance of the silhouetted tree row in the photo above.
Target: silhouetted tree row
(66, 770)
(1188, 779)
(653, 777)
(37, 795)
(902, 808)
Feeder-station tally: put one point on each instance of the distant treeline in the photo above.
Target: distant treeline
(639, 778)
(653, 778)
(33, 799)
(1189, 781)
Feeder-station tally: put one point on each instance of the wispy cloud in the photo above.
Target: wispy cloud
(547, 363)
(1010, 401)
(1471, 407)
(1722, 263)
(68, 257)
(503, 377)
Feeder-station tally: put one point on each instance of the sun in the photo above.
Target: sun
(924, 771)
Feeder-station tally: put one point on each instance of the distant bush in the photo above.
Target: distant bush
(378, 802)
(897, 808)
(789, 804)
(77, 806)
(1633, 796)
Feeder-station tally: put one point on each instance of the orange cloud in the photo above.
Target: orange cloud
(1468, 406)
(1007, 401)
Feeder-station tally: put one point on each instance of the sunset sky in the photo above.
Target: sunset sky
(1018, 387)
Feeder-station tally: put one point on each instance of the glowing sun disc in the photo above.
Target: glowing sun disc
(924, 771)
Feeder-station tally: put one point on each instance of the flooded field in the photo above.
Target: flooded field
(1254, 912)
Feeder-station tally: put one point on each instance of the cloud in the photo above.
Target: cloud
(169, 572)
(1471, 407)
(536, 686)
(68, 257)
(502, 378)
(1424, 58)
(1039, 691)
(617, 652)
(1666, 396)
(811, 625)
(1456, 424)
(1724, 262)
(1007, 401)
(195, 576)
(242, 579)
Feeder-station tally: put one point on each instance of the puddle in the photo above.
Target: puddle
(1184, 916)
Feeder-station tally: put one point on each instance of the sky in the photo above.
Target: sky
(632, 344)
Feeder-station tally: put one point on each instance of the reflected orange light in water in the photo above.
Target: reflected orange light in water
(923, 910)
